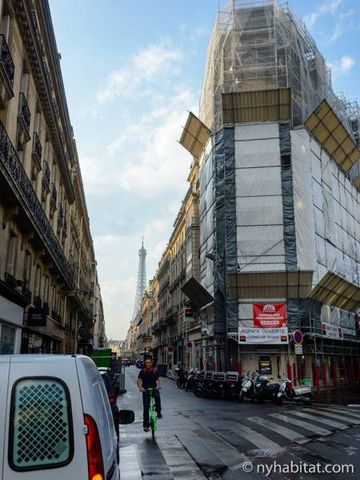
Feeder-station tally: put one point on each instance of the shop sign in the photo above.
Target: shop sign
(269, 315)
(37, 317)
(351, 332)
(298, 349)
(170, 349)
(261, 336)
(331, 331)
(188, 312)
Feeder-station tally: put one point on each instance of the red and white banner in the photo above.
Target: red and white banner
(269, 315)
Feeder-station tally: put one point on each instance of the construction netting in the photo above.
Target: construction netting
(260, 46)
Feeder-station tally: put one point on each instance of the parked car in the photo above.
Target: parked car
(56, 420)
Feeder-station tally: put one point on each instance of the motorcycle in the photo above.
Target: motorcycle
(217, 389)
(203, 387)
(247, 386)
(232, 385)
(182, 376)
(302, 393)
(191, 379)
(264, 390)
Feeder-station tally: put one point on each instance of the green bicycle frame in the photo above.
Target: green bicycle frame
(152, 416)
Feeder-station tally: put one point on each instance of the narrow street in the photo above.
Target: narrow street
(201, 438)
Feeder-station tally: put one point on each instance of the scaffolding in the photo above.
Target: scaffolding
(261, 46)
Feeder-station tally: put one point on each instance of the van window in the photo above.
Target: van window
(41, 427)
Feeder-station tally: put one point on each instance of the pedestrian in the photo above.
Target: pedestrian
(149, 378)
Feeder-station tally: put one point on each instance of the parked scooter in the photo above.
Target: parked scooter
(204, 387)
(182, 376)
(264, 390)
(247, 386)
(302, 393)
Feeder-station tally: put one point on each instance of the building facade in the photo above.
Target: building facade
(48, 280)
(168, 322)
(276, 287)
(278, 203)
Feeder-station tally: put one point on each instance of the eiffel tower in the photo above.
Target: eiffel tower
(141, 280)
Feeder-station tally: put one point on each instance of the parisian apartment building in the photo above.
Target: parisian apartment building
(275, 284)
(50, 299)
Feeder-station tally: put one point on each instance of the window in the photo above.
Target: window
(7, 340)
(27, 269)
(11, 254)
(41, 426)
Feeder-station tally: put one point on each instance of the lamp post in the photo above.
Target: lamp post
(212, 257)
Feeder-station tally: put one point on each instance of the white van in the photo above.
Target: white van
(55, 420)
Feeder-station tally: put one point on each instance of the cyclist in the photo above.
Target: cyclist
(149, 378)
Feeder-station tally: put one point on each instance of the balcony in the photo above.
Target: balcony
(7, 70)
(24, 118)
(53, 199)
(36, 156)
(15, 174)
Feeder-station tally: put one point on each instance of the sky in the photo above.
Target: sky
(132, 70)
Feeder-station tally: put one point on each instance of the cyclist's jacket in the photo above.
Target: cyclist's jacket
(149, 377)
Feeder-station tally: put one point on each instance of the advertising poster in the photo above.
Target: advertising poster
(269, 315)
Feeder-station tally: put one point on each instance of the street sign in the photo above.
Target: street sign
(298, 337)
(298, 349)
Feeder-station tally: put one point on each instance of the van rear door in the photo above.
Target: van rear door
(4, 373)
(45, 436)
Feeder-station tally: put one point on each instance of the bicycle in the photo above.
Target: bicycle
(152, 416)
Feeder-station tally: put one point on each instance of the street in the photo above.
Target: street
(202, 438)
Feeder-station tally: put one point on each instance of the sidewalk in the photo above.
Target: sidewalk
(341, 394)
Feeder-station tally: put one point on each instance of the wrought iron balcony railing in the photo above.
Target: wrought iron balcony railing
(53, 198)
(24, 111)
(6, 62)
(46, 179)
(37, 151)
(9, 161)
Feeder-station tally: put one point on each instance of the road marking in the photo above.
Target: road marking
(331, 423)
(334, 415)
(180, 463)
(300, 423)
(285, 432)
(129, 464)
(260, 441)
(341, 411)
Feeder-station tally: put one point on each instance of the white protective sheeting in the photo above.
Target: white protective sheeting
(256, 132)
(303, 204)
(257, 153)
(259, 208)
(335, 203)
(258, 181)
(259, 211)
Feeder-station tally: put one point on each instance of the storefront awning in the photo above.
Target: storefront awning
(335, 290)
(198, 295)
(194, 136)
(269, 284)
(328, 130)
